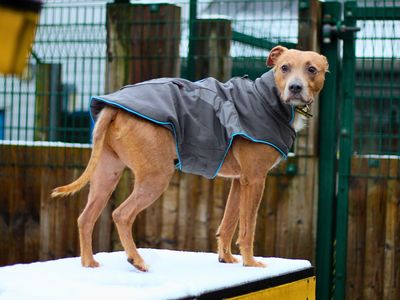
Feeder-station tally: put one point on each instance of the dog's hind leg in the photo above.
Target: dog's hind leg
(146, 190)
(102, 184)
(228, 224)
(149, 151)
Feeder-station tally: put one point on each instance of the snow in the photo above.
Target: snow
(172, 274)
(43, 144)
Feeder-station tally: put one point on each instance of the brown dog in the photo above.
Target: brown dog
(118, 142)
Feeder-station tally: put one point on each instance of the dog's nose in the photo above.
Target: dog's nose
(296, 87)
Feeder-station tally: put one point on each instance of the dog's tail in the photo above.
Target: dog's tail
(99, 134)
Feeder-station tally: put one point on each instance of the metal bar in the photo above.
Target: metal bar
(375, 13)
(54, 100)
(331, 12)
(191, 69)
(258, 42)
(345, 150)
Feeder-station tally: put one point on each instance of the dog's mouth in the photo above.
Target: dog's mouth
(298, 100)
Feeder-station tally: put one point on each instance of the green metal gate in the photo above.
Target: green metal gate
(360, 152)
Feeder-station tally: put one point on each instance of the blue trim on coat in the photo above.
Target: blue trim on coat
(245, 135)
(179, 165)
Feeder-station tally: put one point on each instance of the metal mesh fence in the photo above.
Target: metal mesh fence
(377, 89)
(377, 115)
(69, 61)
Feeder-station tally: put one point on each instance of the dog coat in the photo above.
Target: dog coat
(205, 116)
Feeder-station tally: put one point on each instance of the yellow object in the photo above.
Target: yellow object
(297, 290)
(17, 32)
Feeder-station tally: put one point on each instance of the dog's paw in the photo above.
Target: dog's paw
(254, 263)
(228, 259)
(90, 264)
(140, 265)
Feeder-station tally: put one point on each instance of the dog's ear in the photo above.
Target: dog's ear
(274, 54)
(325, 60)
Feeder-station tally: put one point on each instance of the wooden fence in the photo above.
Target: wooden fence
(35, 227)
(373, 261)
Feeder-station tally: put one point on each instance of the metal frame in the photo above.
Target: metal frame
(336, 148)
(331, 13)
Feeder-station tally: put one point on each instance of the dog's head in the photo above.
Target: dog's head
(299, 75)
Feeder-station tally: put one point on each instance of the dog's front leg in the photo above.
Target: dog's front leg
(251, 192)
(228, 224)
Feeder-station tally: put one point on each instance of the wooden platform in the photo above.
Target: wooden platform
(299, 285)
(172, 275)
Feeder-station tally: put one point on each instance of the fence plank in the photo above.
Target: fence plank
(194, 186)
(142, 43)
(212, 52)
(47, 101)
(183, 212)
(268, 217)
(356, 229)
(391, 280)
(301, 208)
(283, 234)
(375, 227)
(169, 211)
(201, 238)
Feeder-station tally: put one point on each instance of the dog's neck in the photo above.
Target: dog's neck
(302, 114)
(299, 122)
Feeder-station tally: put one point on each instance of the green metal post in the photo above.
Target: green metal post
(330, 47)
(192, 40)
(345, 150)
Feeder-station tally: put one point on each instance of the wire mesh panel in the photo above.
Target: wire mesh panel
(69, 59)
(374, 192)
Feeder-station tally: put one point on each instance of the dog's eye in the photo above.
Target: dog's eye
(312, 70)
(285, 68)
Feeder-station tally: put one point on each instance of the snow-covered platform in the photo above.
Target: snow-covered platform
(172, 275)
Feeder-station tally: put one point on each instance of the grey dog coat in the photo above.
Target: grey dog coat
(205, 116)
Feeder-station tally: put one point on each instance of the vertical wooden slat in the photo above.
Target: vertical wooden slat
(283, 234)
(170, 203)
(375, 229)
(302, 209)
(356, 230)
(194, 186)
(200, 235)
(183, 212)
(217, 206)
(136, 49)
(391, 277)
(6, 186)
(269, 220)
(16, 207)
(47, 104)
(212, 52)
